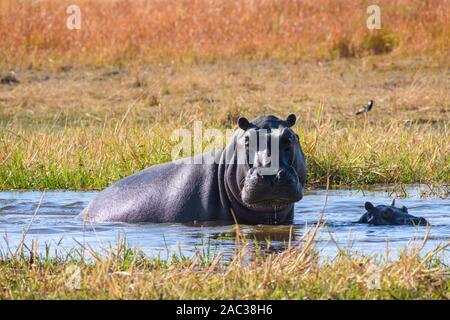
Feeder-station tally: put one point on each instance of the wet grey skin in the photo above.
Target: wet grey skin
(390, 215)
(224, 190)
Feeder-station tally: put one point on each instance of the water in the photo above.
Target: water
(56, 224)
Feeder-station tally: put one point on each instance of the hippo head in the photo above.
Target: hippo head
(390, 215)
(271, 173)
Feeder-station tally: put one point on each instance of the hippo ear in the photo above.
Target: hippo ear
(393, 202)
(243, 123)
(369, 206)
(291, 119)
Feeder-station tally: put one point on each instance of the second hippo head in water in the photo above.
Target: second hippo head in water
(390, 215)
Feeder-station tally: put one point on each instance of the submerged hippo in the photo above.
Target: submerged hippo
(390, 215)
(241, 183)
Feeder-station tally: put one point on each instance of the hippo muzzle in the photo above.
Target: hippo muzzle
(280, 189)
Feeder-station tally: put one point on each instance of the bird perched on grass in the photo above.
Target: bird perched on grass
(365, 108)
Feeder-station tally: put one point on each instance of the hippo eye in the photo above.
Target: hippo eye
(286, 143)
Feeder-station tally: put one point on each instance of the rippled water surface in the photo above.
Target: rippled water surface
(56, 223)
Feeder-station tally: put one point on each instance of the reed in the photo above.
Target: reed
(299, 272)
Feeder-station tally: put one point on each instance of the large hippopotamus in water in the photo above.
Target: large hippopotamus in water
(390, 215)
(249, 181)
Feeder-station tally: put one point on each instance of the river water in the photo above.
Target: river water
(56, 224)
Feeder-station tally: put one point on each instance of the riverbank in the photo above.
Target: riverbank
(84, 128)
(296, 273)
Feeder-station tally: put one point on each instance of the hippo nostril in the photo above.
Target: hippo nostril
(257, 175)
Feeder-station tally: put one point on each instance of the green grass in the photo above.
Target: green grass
(92, 157)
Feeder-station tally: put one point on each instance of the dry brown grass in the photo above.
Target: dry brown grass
(34, 32)
(414, 89)
(296, 273)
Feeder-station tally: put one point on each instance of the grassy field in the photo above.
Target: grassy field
(296, 273)
(34, 33)
(84, 128)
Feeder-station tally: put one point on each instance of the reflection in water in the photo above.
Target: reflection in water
(270, 239)
(56, 224)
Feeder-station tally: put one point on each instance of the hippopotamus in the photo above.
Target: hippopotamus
(390, 215)
(241, 185)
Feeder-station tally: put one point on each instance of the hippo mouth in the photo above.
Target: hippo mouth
(273, 204)
(266, 199)
(278, 194)
(378, 220)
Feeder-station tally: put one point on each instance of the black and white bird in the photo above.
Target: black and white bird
(365, 108)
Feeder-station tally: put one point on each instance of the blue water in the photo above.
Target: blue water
(56, 224)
